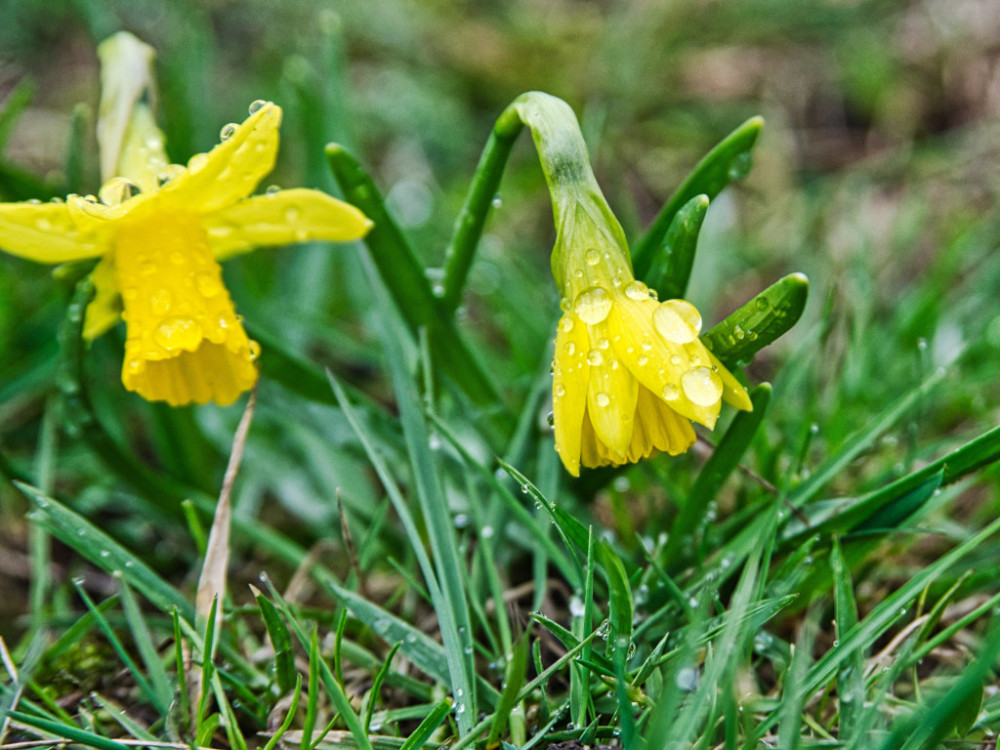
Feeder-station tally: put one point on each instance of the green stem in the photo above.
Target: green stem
(472, 218)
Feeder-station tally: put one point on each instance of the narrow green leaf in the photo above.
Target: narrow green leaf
(281, 643)
(289, 717)
(422, 734)
(103, 551)
(312, 694)
(377, 685)
(671, 268)
(620, 605)
(144, 643)
(759, 322)
(730, 160)
(514, 676)
(723, 461)
(850, 675)
(67, 732)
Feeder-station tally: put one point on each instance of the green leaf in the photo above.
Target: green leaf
(422, 734)
(850, 675)
(281, 642)
(759, 322)
(671, 269)
(103, 551)
(514, 676)
(730, 160)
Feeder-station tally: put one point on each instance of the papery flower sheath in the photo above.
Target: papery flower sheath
(629, 373)
(160, 230)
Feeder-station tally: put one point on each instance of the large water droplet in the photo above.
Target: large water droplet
(593, 257)
(117, 190)
(178, 333)
(197, 161)
(593, 305)
(678, 321)
(170, 172)
(702, 386)
(255, 106)
(228, 130)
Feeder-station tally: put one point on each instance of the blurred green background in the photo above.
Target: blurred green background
(877, 175)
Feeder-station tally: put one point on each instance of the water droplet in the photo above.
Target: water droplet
(687, 679)
(228, 131)
(497, 201)
(594, 357)
(178, 333)
(550, 419)
(762, 303)
(197, 162)
(560, 390)
(169, 172)
(117, 190)
(255, 106)
(272, 190)
(643, 359)
(702, 386)
(33, 202)
(637, 291)
(208, 285)
(739, 333)
(159, 303)
(566, 324)
(678, 321)
(603, 343)
(570, 348)
(254, 349)
(43, 224)
(576, 607)
(592, 256)
(613, 363)
(593, 305)
(670, 392)
(602, 399)
(675, 359)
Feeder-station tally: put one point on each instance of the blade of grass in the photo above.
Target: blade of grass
(850, 675)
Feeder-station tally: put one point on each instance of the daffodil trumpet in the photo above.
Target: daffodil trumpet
(630, 373)
(159, 231)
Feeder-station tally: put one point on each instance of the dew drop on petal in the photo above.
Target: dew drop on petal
(643, 359)
(593, 257)
(678, 321)
(255, 106)
(169, 172)
(197, 162)
(254, 349)
(571, 348)
(566, 324)
(675, 359)
(117, 190)
(603, 343)
(670, 392)
(602, 399)
(159, 303)
(178, 332)
(702, 386)
(637, 291)
(208, 285)
(560, 390)
(228, 130)
(592, 305)
(594, 357)
(272, 190)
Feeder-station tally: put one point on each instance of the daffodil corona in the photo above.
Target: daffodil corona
(160, 233)
(630, 373)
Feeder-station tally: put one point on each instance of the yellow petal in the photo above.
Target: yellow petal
(733, 391)
(570, 379)
(611, 395)
(231, 170)
(184, 341)
(45, 232)
(281, 218)
(657, 364)
(658, 428)
(105, 309)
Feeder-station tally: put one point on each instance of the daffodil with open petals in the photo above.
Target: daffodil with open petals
(160, 233)
(630, 373)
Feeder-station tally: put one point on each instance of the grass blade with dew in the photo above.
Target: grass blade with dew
(281, 642)
(758, 322)
(730, 160)
(850, 675)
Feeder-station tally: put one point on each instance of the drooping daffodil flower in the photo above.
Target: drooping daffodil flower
(159, 231)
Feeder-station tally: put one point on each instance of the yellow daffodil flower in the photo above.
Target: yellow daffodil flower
(630, 374)
(160, 233)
